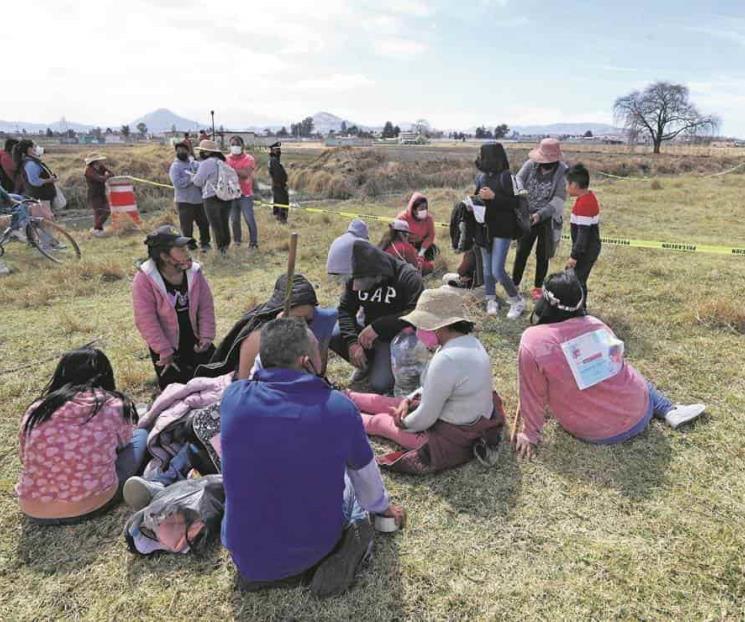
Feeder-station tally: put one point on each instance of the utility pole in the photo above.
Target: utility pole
(212, 114)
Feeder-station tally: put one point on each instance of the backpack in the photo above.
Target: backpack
(227, 186)
(522, 217)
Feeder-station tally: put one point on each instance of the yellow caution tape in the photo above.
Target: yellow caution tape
(681, 247)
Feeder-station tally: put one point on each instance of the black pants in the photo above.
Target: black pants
(218, 215)
(585, 264)
(282, 197)
(187, 363)
(541, 232)
(190, 213)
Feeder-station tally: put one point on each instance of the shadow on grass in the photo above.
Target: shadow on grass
(636, 468)
(62, 549)
(482, 492)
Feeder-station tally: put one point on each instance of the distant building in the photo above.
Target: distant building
(348, 141)
(412, 138)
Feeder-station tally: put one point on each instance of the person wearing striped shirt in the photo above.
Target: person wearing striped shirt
(585, 223)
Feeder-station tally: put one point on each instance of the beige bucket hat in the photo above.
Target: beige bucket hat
(547, 152)
(94, 157)
(208, 145)
(438, 308)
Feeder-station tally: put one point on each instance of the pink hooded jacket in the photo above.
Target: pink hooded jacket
(155, 316)
(420, 231)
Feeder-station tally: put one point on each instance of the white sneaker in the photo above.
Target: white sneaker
(138, 492)
(517, 307)
(18, 235)
(681, 414)
(98, 233)
(492, 307)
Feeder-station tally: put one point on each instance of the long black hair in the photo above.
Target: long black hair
(563, 299)
(19, 151)
(492, 159)
(391, 236)
(9, 144)
(82, 370)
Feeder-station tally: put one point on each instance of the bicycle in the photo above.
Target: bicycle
(42, 234)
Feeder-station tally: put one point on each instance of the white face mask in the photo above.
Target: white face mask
(236, 149)
(422, 214)
(38, 151)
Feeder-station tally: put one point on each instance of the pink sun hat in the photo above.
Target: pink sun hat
(548, 152)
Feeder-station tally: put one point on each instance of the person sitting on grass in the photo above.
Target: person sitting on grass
(173, 307)
(239, 351)
(78, 442)
(385, 289)
(573, 365)
(456, 407)
(396, 243)
(299, 474)
(339, 261)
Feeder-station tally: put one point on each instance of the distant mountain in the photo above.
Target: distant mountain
(562, 129)
(163, 120)
(34, 128)
(324, 122)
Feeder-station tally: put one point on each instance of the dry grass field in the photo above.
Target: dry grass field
(653, 529)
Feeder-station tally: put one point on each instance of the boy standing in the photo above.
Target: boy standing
(585, 225)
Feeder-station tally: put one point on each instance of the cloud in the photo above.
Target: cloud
(396, 47)
(414, 8)
(335, 82)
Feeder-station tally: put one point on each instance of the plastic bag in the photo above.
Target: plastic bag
(409, 358)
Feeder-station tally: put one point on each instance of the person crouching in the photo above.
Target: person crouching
(173, 307)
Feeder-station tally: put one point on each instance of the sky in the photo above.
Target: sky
(456, 64)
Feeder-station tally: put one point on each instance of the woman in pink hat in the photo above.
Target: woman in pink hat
(543, 178)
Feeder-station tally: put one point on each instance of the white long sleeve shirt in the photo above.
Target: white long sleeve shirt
(456, 386)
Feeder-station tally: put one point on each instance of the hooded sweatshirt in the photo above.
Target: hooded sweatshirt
(384, 303)
(155, 314)
(421, 232)
(340, 253)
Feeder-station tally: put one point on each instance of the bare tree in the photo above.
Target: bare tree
(663, 111)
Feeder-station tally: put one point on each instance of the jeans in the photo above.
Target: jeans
(218, 215)
(245, 205)
(129, 462)
(585, 264)
(494, 260)
(190, 213)
(659, 406)
(353, 511)
(378, 361)
(541, 232)
(178, 467)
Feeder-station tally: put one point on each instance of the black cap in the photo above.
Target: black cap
(166, 237)
(276, 145)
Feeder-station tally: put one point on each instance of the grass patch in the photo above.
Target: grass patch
(652, 529)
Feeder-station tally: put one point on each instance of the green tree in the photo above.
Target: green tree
(501, 130)
(388, 130)
(125, 131)
(142, 129)
(50, 133)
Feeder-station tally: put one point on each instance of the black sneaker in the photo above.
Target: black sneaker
(336, 572)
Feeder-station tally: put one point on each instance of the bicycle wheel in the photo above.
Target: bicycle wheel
(52, 241)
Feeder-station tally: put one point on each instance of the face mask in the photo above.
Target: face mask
(236, 149)
(422, 214)
(38, 151)
(182, 156)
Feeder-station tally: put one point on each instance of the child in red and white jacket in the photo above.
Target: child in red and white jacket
(585, 224)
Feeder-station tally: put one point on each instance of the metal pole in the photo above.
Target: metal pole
(212, 114)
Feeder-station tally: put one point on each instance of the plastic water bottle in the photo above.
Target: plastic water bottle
(409, 357)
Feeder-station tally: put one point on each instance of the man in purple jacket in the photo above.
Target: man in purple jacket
(299, 474)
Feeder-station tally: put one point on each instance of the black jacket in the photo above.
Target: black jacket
(460, 214)
(499, 221)
(278, 173)
(385, 303)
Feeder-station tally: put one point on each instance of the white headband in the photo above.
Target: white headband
(555, 302)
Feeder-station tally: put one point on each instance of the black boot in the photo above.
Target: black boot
(336, 572)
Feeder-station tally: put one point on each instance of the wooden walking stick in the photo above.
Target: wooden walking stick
(292, 257)
(515, 425)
